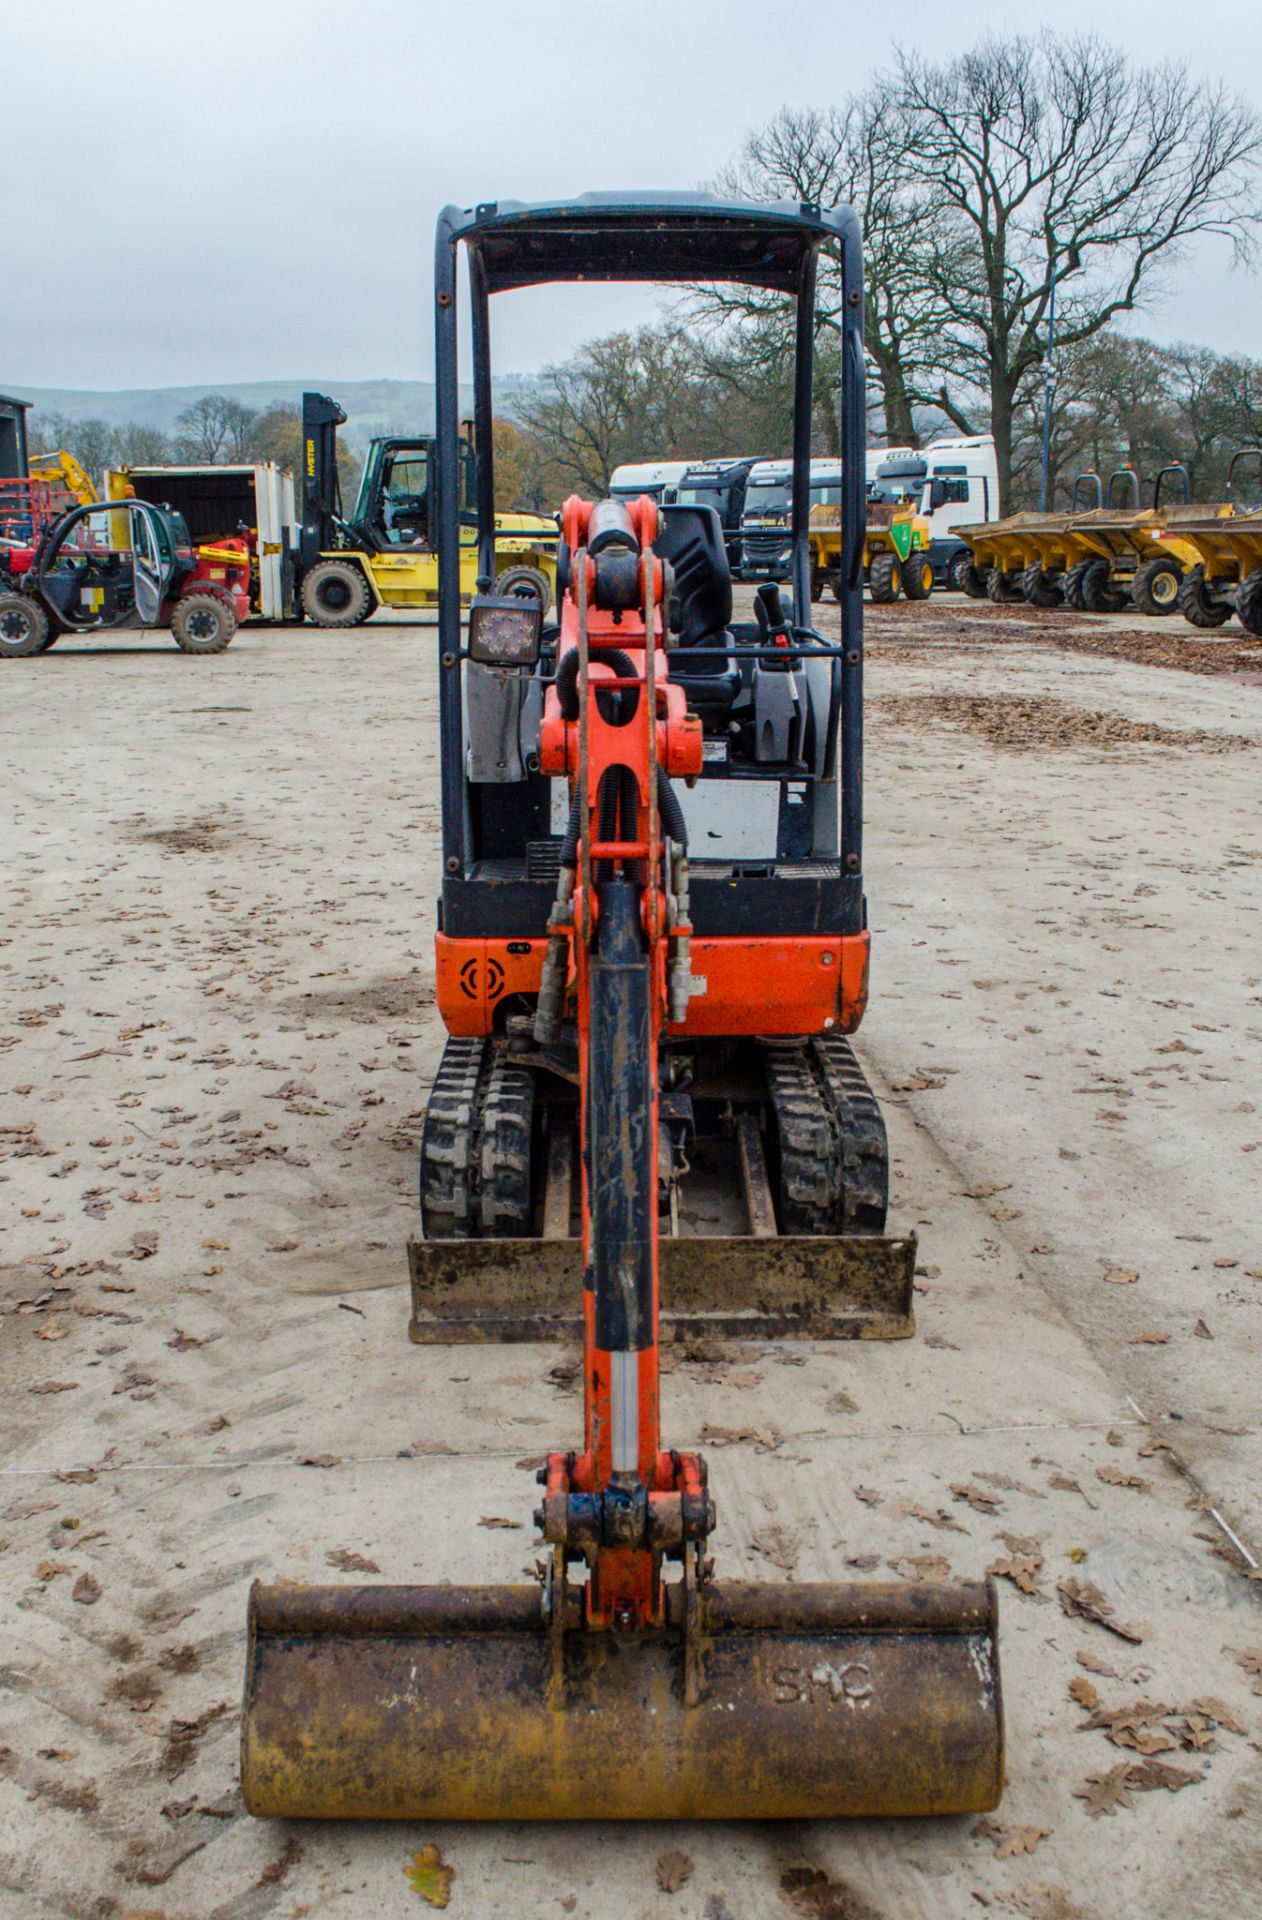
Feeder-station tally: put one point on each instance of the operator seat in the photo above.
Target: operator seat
(692, 540)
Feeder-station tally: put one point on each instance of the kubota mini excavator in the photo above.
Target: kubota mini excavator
(645, 987)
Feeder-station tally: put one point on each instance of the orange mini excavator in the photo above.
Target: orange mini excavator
(652, 944)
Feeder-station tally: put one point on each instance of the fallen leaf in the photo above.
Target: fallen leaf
(1104, 1793)
(277, 1870)
(779, 1545)
(674, 1870)
(1019, 1840)
(977, 1497)
(55, 1330)
(1120, 1277)
(1094, 1664)
(319, 1460)
(1082, 1598)
(1251, 1660)
(1201, 1331)
(1151, 1775)
(1022, 1570)
(1219, 1710)
(941, 1520)
(986, 1189)
(430, 1876)
(766, 1439)
(869, 1496)
(86, 1590)
(497, 1520)
(1065, 1483)
(1084, 1692)
(54, 1386)
(921, 1566)
(346, 1560)
(1115, 1477)
(1150, 1340)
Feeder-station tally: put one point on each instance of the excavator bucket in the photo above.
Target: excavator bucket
(848, 1287)
(772, 1702)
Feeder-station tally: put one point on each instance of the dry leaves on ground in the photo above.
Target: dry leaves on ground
(977, 1497)
(1250, 1658)
(674, 1870)
(1021, 1569)
(346, 1560)
(1115, 1477)
(1009, 1841)
(428, 1874)
(1085, 1600)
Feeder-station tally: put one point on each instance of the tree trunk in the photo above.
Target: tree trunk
(900, 428)
(1001, 397)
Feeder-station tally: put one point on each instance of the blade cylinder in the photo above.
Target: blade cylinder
(432, 1703)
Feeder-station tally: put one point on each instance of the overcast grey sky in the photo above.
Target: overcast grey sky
(249, 191)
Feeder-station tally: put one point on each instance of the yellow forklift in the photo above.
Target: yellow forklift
(384, 554)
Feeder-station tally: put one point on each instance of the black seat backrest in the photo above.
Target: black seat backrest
(692, 540)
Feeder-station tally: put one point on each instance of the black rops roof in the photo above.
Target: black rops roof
(647, 236)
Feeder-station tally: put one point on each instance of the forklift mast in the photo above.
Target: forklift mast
(321, 489)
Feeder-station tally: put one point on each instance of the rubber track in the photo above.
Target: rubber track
(449, 1142)
(475, 1145)
(834, 1159)
(507, 1116)
(866, 1173)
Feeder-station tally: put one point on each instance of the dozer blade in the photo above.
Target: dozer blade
(457, 1703)
(852, 1287)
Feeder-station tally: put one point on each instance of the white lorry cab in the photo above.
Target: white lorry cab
(654, 477)
(952, 483)
(766, 543)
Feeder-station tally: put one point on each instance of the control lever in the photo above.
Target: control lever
(775, 620)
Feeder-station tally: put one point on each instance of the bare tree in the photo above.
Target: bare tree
(628, 396)
(216, 430)
(846, 155)
(1059, 163)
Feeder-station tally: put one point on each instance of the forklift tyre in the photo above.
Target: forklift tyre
(336, 594)
(885, 577)
(524, 580)
(918, 577)
(202, 623)
(24, 627)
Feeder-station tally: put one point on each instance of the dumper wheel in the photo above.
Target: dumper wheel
(336, 594)
(1003, 588)
(1097, 595)
(24, 627)
(1155, 588)
(202, 623)
(525, 580)
(885, 577)
(918, 576)
(1195, 604)
(1040, 588)
(965, 578)
(817, 585)
(1249, 602)
(1073, 586)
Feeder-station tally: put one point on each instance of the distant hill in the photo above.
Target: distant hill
(372, 406)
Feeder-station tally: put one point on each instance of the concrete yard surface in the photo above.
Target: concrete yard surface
(217, 1029)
